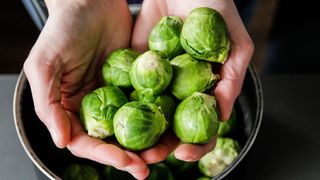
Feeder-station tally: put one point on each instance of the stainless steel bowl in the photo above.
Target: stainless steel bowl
(50, 161)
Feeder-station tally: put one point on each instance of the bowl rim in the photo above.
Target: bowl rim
(256, 126)
(21, 131)
(19, 126)
(20, 85)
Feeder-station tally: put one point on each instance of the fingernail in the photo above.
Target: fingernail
(185, 156)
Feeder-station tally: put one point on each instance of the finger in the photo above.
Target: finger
(226, 93)
(193, 152)
(135, 168)
(43, 71)
(232, 76)
(161, 150)
(233, 71)
(84, 146)
(148, 16)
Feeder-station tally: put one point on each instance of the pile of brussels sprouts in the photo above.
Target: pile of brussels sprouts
(166, 87)
(208, 166)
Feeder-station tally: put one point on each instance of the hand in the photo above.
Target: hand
(65, 64)
(232, 72)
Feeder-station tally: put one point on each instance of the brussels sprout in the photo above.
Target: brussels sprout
(165, 103)
(196, 119)
(165, 36)
(177, 165)
(98, 108)
(204, 178)
(136, 96)
(190, 76)
(228, 126)
(159, 171)
(150, 73)
(115, 70)
(138, 125)
(204, 35)
(220, 157)
(80, 172)
(111, 173)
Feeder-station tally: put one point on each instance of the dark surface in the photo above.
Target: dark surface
(294, 38)
(288, 145)
(14, 162)
(17, 35)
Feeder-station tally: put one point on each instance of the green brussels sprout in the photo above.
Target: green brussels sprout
(138, 125)
(111, 173)
(165, 36)
(150, 73)
(204, 35)
(177, 165)
(115, 70)
(98, 108)
(204, 178)
(80, 172)
(214, 162)
(228, 126)
(136, 96)
(196, 119)
(190, 76)
(159, 171)
(165, 103)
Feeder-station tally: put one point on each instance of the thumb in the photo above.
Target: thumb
(226, 93)
(148, 16)
(232, 76)
(43, 71)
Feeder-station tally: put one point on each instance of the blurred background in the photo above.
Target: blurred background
(18, 34)
(285, 34)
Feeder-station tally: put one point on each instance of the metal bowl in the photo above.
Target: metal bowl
(51, 161)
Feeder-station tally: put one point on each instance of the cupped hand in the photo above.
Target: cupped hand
(232, 71)
(64, 65)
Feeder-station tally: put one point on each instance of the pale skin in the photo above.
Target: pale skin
(64, 64)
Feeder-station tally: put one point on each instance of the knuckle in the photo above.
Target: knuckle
(122, 163)
(248, 46)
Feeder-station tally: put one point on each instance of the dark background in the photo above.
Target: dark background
(285, 34)
(294, 38)
(18, 34)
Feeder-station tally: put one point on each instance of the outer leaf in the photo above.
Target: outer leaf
(204, 35)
